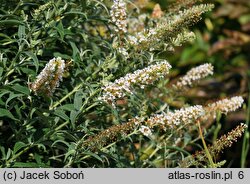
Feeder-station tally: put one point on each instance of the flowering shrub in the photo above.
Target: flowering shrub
(81, 85)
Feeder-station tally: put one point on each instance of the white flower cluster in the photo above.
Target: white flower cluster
(136, 120)
(142, 37)
(167, 30)
(49, 78)
(141, 78)
(195, 74)
(145, 130)
(119, 16)
(227, 105)
(182, 116)
(123, 51)
(132, 40)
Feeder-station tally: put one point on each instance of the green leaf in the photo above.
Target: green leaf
(3, 152)
(12, 96)
(21, 31)
(4, 112)
(5, 36)
(38, 158)
(177, 149)
(18, 146)
(75, 49)
(10, 22)
(60, 141)
(9, 153)
(60, 30)
(6, 42)
(28, 71)
(64, 56)
(61, 114)
(23, 89)
(34, 58)
(29, 164)
(41, 146)
(3, 92)
(70, 152)
(70, 137)
(6, 39)
(18, 111)
(67, 107)
(1, 71)
(73, 115)
(32, 112)
(94, 155)
(2, 103)
(76, 13)
(78, 100)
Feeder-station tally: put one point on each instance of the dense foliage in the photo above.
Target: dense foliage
(89, 83)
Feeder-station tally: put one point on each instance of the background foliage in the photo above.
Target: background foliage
(40, 131)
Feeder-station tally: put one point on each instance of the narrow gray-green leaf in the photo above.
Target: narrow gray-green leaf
(18, 146)
(78, 100)
(4, 112)
(23, 89)
(34, 58)
(61, 114)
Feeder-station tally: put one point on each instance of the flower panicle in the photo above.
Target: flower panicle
(226, 105)
(227, 140)
(141, 78)
(119, 16)
(49, 78)
(168, 31)
(182, 116)
(194, 75)
(111, 134)
(220, 144)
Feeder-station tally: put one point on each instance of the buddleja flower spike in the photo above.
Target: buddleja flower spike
(49, 78)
